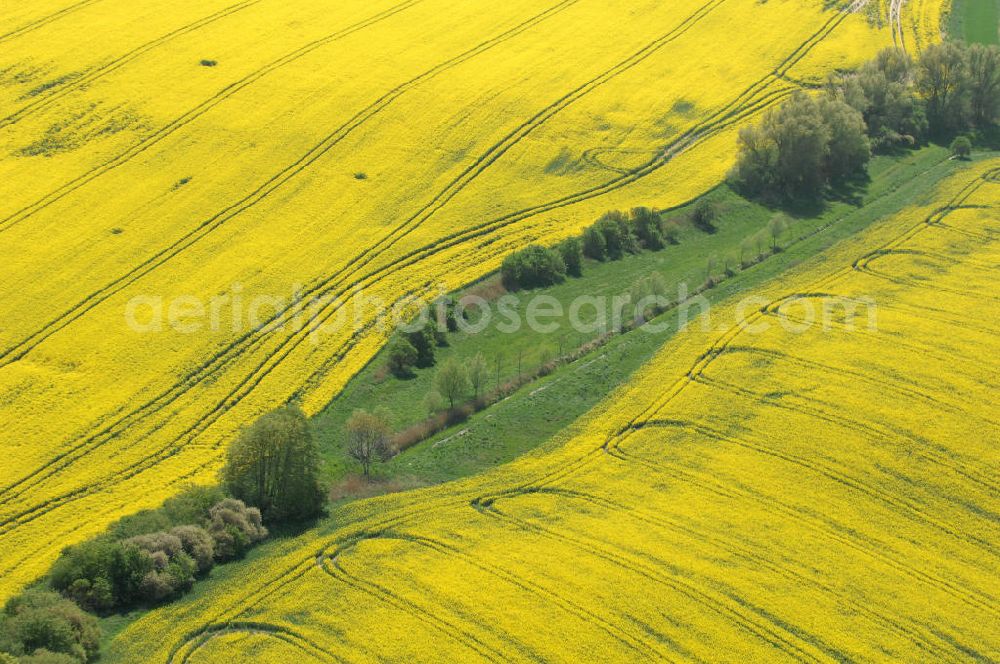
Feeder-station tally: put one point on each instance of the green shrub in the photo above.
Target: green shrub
(402, 357)
(571, 250)
(961, 147)
(534, 266)
(424, 342)
(101, 574)
(594, 245)
(234, 528)
(173, 569)
(43, 623)
(646, 225)
(618, 236)
(197, 543)
(188, 507)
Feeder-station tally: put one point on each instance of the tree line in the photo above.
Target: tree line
(614, 235)
(811, 142)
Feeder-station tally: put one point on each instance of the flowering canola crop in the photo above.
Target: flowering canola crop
(766, 489)
(188, 150)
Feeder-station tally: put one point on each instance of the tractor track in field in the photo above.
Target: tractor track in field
(21, 348)
(864, 265)
(206, 634)
(897, 384)
(632, 642)
(728, 114)
(896, 23)
(707, 357)
(251, 339)
(38, 23)
(41, 102)
(937, 315)
(330, 564)
(905, 507)
(736, 610)
(901, 341)
(876, 550)
(193, 114)
(739, 550)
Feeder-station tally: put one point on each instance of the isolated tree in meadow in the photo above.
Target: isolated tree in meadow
(776, 227)
(368, 438)
(424, 342)
(746, 247)
(434, 402)
(478, 374)
(710, 264)
(671, 233)
(703, 215)
(640, 290)
(961, 147)
(452, 382)
(274, 465)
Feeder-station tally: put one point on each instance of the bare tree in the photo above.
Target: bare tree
(368, 439)
(477, 373)
(452, 382)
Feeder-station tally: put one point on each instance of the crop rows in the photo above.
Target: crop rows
(659, 523)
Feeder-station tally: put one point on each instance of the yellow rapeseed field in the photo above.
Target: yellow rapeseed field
(190, 150)
(812, 475)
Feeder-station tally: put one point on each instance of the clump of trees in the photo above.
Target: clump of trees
(810, 142)
(272, 473)
(106, 573)
(960, 85)
(416, 348)
(42, 626)
(274, 465)
(452, 382)
(800, 147)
